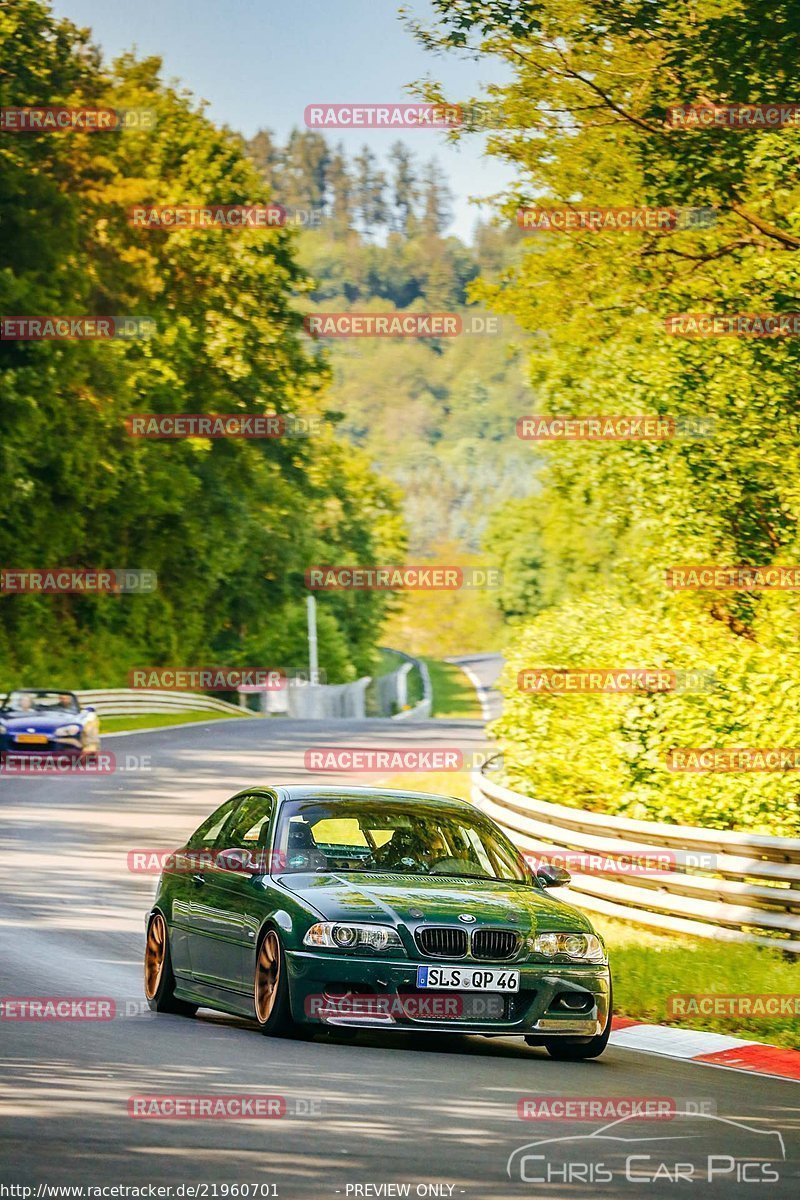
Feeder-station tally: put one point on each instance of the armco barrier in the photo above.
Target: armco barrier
(127, 702)
(748, 892)
(399, 690)
(320, 701)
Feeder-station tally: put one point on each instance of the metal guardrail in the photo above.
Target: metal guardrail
(125, 702)
(424, 707)
(325, 701)
(737, 887)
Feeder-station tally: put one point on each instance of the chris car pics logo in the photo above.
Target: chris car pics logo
(700, 1148)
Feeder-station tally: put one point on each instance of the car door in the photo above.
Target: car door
(186, 876)
(225, 913)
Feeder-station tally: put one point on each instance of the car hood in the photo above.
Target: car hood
(39, 722)
(414, 899)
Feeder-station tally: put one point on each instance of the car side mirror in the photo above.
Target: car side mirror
(549, 875)
(239, 860)
(90, 708)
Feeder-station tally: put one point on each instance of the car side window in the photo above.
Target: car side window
(249, 826)
(210, 830)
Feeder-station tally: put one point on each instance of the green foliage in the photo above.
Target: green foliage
(584, 119)
(446, 622)
(228, 526)
(513, 541)
(608, 753)
(437, 415)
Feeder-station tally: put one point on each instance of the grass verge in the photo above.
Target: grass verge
(651, 967)
(154, 720)
(453, 693)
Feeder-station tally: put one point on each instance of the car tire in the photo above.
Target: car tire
(569, 1050)
(271, 987)
(159, 979)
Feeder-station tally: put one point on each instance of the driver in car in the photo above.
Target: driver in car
(409, 848)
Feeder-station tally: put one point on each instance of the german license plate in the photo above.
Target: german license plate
(467, 979)
(33, 739)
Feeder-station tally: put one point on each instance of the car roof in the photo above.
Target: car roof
(334, 792)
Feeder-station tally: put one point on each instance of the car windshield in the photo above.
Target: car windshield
(402, 836)
(40, 702)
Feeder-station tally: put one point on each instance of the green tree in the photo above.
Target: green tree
(304, 168)
(340, 196)
(585, 120)
(228, 526)
(405, 190)
(369, 191)
(266, 157)
(437, 199)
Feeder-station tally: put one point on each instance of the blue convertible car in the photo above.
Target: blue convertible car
(34, 721)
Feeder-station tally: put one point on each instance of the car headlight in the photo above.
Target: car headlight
(67, 731)
(580, 947)
(342, 935)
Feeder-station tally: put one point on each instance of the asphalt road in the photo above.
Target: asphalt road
(438, 1115)
(484, 670)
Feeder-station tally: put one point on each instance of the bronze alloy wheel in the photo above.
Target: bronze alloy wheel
(268, 973)
(154, 955)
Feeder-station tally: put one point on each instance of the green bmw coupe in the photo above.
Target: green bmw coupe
(305, 907)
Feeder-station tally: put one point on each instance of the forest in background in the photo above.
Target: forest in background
(438, 416)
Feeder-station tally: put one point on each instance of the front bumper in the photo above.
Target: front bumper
(67, 746)
(339, 989)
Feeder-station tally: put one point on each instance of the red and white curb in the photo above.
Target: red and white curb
(712, 1049)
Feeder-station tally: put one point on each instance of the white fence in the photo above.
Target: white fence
(738, 887)
(127, 702)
